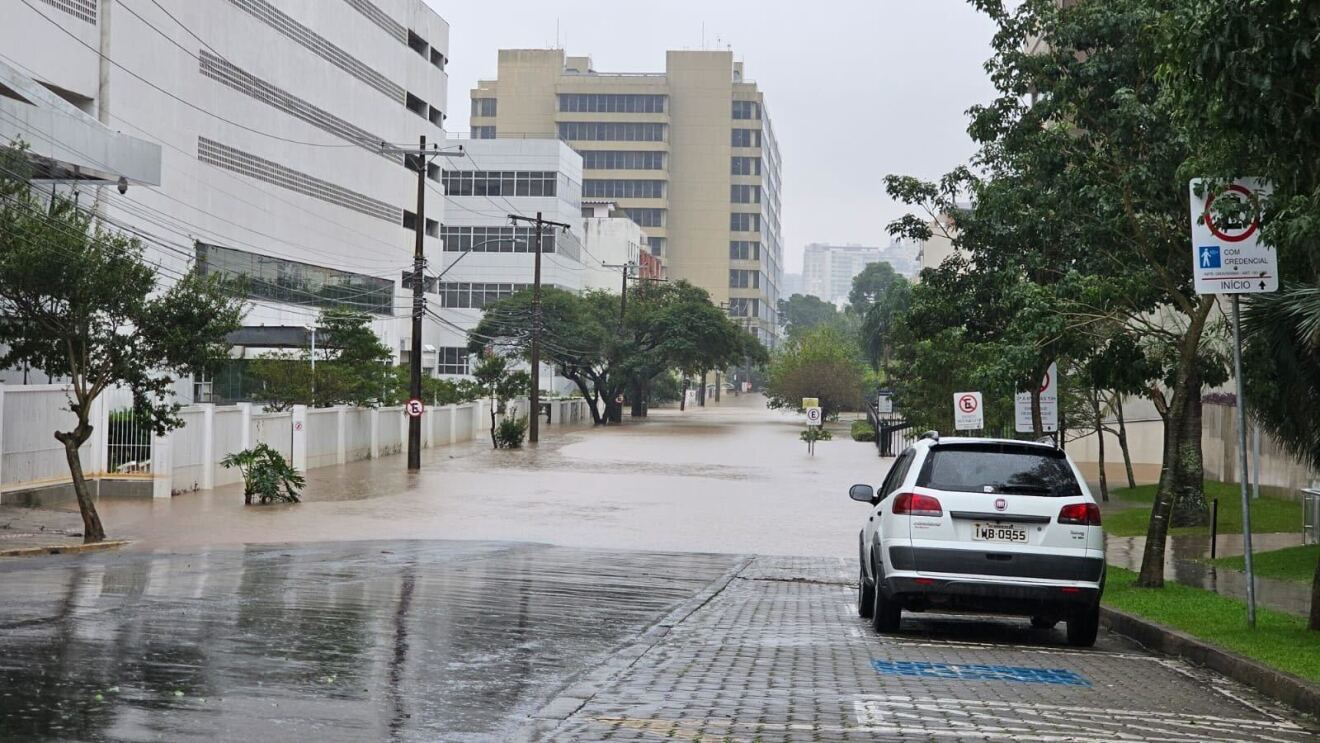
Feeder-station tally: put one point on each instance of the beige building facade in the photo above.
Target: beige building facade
(688, 153)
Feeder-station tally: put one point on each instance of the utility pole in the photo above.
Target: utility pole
(534, 430)
(420, 159)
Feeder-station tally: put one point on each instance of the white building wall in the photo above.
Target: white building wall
(563, 269)
(163, 87)
(610, 241)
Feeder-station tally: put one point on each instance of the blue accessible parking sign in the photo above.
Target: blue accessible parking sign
(1208, 256)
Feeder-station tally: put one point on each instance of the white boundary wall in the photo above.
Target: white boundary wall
(188, 458)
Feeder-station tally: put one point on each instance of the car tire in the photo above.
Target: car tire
(865, 595)
(1043, 622)
(1084, 626)
(886, 614)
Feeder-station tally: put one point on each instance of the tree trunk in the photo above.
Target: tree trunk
(493, 442)
(1123, 443)
(1100, 443)
(1188, 474)
(638, 390)
(93, 531)
(1182, 470)
(1314, 622)
(1037, 422)
(701, 389)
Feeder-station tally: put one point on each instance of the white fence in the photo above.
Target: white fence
(188, 458)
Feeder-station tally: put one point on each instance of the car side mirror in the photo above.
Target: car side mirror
(863, 493)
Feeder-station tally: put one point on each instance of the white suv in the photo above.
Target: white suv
(983, 525)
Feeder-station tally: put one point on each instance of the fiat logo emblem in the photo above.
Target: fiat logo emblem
(1000, 504)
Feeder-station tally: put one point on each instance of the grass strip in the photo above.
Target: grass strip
(1291, 563)
(1268, 515)
(1279, 640)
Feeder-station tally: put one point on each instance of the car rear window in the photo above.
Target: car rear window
(1005, 468)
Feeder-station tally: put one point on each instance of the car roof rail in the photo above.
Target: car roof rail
(932, 435)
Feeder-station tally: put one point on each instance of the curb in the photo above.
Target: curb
(63, 549)
(1281, 686)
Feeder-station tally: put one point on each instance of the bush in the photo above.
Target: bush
(816, 433)
(510, 432)
(266, 475)
(863, 431)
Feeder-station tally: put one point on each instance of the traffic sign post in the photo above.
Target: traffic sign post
(968, 415)
(1228, 257)
(414, 408)
(884, 404)
(815, 416)
(1049, 405)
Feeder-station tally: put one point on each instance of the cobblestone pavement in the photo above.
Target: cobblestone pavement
(780, 655)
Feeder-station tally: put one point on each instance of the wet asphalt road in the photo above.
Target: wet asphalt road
(453, 641)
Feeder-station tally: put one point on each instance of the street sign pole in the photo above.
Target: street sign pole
(1242, 463)
(1229, 257)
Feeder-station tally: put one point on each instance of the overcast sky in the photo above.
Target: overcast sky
(856, 88)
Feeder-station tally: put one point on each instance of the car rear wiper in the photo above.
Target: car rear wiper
(1024, 489)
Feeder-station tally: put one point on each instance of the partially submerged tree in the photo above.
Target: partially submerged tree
(824, 364)
(500, 383)
(81, 302)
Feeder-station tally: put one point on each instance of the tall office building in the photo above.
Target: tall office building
(249, 132)
(828, 270)
(689, 153)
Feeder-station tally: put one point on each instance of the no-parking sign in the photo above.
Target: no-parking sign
(414, 408)
(967, 412)
(815, 416)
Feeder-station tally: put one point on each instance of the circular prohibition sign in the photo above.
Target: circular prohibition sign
(1225, 233)
(967, 403)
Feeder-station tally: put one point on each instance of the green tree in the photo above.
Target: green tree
(500, 383)
(352, 367)
(801, 313)
(1243, 77)
(871, 285)
(824, 364)
(80, 302)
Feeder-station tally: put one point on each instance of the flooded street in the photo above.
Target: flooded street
(691, 577)
(732, 478)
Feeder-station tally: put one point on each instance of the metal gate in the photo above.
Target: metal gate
(127, 443)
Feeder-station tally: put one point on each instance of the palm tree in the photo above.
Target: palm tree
(1282, 334)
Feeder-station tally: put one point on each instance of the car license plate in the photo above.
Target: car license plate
(998, 533)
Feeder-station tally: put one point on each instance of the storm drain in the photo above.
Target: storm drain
(979, 672)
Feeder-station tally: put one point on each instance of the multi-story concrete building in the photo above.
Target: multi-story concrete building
(486, 258)
(269, 118)
(612, 242)
(689, 153)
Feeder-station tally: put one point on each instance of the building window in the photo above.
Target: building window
(745, 250)
(746, 110)
(483, 132)
(622, 160)
(742, 194)
(622, 189)
(746, 138)
(744, 307)
(495, 240)
(499, 182)
(453, 360)
(279, 280)
(416, 105)
(475, 295)
(484, 106)
(744, 279)
(743, 222)
(600, 131)
(647, 217)
(418, 44)
(745, 166)
(437, 117)
(438, 59)
(657, 245)
(611, 103)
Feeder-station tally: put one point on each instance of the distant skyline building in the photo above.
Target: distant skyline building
(828, 270)
(689, 153)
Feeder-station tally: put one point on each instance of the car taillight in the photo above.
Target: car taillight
(915, 504)
(1082, 514)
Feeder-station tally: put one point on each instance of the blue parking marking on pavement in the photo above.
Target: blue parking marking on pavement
(979, 672)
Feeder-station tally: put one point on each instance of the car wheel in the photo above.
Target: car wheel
(1084, 626)
(885, 613)
(865, 595)
(1043, 622)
